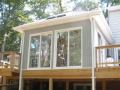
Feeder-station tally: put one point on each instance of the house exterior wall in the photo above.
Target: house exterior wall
(97, 34)
(114, 22)
(86, 40)
(100, 40)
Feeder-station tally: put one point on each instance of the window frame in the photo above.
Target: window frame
(53, 54)
(51, 51)
(55, 48)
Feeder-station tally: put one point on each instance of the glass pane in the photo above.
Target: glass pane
(59, 85)
(34, 60)
(79, 88)
(34, 51)
(45, 50)
(62, 45)
(88, 88)
(75, 48)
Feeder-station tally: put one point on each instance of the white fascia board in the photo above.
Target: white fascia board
(104, 28)
(56, 21)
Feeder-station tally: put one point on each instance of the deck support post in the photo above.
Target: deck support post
(50, 84)
(104, 85)
(4, 83)
(27, 85)
(12, 60)
(67, 85)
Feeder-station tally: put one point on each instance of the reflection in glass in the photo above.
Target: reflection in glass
(34, 51)
(62, 45)
(75, 48)
(45, 50)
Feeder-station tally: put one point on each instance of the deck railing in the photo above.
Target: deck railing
(108, 56)
(9, 60)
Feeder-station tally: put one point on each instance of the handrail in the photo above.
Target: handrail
(7, 84)
(110, 63)
(108, 46)
(12, 60)
(8, 52)
(107, 55)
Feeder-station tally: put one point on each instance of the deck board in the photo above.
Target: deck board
(63, 73)
(100, 73)
(5, 72)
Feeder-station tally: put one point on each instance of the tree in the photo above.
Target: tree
(110, 2)
(57, 5)
(44, 8)
(107, 3)
(37, 8)
(12, 14)
(85, 5)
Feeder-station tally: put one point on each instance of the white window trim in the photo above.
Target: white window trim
(55, 47)
(28, 61)
(53, 50)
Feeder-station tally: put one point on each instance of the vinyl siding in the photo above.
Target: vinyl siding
(86, 42)
(114, 22)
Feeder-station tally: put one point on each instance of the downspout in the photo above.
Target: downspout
(21, 61)
(93, 53)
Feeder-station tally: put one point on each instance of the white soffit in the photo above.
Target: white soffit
(104, 28)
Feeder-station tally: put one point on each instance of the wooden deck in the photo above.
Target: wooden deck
(5, 72)
(9, 63)
(100, 73)
(108, 62)
(108, 73)
(63, 73)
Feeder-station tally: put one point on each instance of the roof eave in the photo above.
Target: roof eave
(56, 21)
(104, 27)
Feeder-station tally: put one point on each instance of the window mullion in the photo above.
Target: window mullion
(68, 60)
(29, 53)
(55, 50)
(51, 51)
(39, 53)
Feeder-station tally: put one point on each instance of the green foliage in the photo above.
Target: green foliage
(110, 2)
(57, 4)
(12, 14)
(38, 8)
(86, 5)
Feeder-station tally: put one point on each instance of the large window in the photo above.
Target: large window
(68, 48)
(40, 50)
